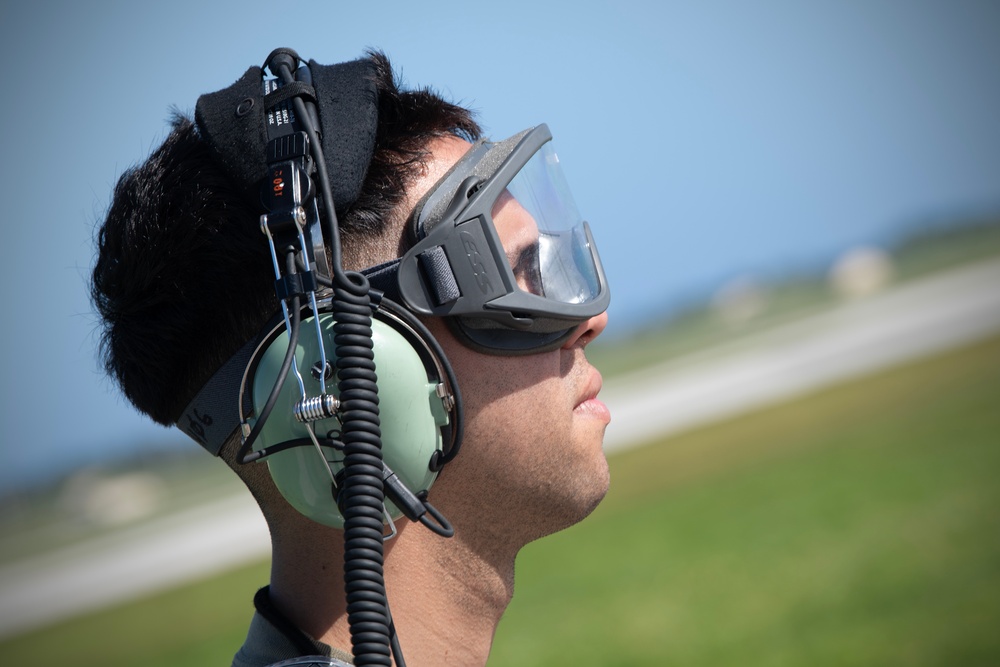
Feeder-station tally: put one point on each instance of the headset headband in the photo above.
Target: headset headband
(234, 123)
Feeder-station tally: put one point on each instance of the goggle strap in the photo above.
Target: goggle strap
(384, 278)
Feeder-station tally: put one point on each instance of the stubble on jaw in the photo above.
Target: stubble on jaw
(530, 466)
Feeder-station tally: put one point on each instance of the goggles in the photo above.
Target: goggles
(501, 251)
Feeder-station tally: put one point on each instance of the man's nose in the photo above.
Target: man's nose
(587, 331)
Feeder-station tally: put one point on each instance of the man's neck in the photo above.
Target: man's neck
(435, 587)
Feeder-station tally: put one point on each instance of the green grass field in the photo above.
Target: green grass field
(856, 526)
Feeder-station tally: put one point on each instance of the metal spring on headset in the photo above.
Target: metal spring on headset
(316, 408)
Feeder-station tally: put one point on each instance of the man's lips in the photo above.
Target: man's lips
(589, 404)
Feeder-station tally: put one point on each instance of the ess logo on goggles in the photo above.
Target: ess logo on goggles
(478, 268)
(501, 251)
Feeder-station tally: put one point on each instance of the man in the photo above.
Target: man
(184, 279)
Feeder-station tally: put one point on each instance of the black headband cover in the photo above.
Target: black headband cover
(232, 122)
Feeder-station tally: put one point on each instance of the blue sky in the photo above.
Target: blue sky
(703, 141)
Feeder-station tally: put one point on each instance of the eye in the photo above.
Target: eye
(527, 271)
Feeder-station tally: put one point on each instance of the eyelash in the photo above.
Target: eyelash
(527, 267)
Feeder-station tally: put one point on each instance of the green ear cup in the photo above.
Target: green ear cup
(411, 414)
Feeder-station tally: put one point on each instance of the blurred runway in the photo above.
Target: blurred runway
(858, 337)
(855, 338)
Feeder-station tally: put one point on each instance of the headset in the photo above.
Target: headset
(341, 451)
(345, 394)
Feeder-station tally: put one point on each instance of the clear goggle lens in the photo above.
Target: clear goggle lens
(543, 235)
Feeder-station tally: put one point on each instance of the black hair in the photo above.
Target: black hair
(183, 275)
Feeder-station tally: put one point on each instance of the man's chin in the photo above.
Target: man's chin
(580, 500)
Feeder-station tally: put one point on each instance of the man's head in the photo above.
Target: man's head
(184, 279)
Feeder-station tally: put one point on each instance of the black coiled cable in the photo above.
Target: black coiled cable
(361, 496)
